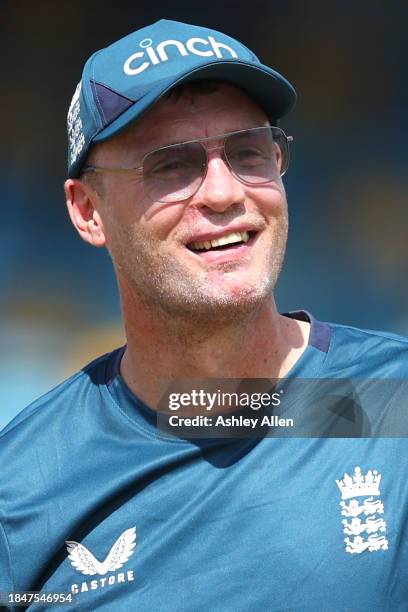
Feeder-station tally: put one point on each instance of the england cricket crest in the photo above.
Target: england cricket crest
(364, 525)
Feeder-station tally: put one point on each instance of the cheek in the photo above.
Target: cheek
(271, 202)
(128, 210)
(161, 219)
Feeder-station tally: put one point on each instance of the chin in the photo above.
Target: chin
(217, 305)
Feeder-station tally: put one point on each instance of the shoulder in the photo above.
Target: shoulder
(45, 446)
(355, 352)
(63, 401)
(366, 352)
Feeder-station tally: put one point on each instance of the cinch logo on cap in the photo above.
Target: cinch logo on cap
(195, 45)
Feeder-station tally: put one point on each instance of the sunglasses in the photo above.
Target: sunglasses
(174, 173)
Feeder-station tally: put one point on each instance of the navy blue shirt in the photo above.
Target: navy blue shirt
(94, 502)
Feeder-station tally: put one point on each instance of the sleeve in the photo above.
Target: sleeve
(6, 581)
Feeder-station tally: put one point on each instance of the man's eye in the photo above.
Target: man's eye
(248, 156)
(169, 167)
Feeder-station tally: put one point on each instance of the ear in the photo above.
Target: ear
(80, 201)
(279, 157)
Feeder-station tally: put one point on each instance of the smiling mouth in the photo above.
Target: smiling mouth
(220, 244)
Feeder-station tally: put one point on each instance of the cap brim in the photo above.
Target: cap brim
(268, 88)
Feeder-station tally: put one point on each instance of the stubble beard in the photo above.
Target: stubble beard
(163, 286)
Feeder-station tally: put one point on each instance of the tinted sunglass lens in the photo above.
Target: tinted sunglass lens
(255, 155)
(174, 173)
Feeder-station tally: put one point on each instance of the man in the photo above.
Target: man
(175, 166)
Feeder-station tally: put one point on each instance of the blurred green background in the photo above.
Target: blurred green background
(347, 184)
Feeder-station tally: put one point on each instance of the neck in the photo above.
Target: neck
(160, 347)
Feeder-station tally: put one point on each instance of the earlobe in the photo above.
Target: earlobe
(80, 200)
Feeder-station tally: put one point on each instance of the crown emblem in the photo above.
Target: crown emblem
(360, 484)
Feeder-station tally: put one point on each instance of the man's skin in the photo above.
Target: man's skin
(190, 315)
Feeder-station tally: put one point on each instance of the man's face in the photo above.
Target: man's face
(152, 243)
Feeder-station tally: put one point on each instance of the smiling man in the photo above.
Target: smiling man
(175, 166)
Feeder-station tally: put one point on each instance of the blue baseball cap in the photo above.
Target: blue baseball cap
(122, 81)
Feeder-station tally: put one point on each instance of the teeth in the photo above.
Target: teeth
(228, 239)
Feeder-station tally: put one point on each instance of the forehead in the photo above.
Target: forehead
(202, 105)
(192, 112)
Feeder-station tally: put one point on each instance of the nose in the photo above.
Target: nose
(220, 189)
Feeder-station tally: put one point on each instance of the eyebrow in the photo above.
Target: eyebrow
(203, 139)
